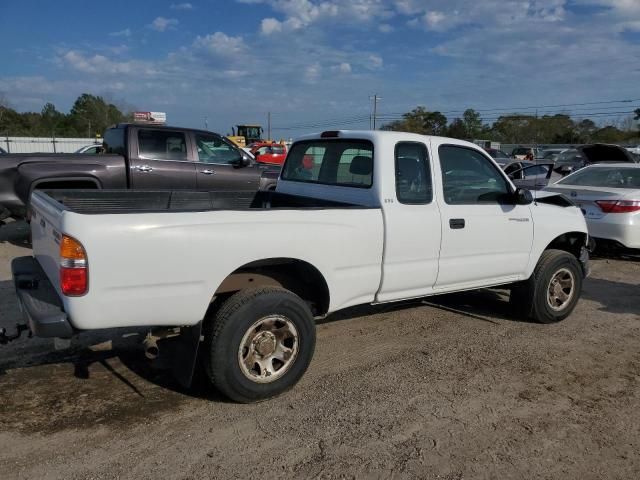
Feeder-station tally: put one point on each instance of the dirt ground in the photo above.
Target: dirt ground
(448, 388)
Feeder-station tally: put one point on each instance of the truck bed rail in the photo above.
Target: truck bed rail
(92, 202)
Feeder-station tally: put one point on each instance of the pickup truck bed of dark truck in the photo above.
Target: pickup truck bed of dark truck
(138, 156)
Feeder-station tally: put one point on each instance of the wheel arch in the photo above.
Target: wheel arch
(42, 183)
(298, 276)
(571, 242)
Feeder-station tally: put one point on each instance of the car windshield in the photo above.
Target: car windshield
(614, 177)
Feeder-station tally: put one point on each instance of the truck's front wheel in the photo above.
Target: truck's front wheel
(552, 292)
(260, 342)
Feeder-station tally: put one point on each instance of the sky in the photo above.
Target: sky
(316, 64)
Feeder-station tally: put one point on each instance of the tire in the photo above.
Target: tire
(537, 299)
(259, 344)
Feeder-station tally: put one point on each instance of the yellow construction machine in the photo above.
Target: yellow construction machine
(246, 134)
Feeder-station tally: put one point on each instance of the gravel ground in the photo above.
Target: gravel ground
(450, 388)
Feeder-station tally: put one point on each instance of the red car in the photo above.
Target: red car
(269, 152)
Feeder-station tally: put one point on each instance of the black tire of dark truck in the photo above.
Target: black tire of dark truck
(258, 344)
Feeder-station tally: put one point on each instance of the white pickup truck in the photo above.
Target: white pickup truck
(357, 217)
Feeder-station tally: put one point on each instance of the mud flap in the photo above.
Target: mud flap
(182, 352)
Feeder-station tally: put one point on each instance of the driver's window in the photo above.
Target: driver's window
(212, 149)
(469, 178)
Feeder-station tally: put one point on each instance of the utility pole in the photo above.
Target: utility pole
(375, 99)
(268, 125)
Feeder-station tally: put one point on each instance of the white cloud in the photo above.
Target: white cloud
(312, 72)
(443, 15)
(161, 24)
(343, 67)
(100, 64)
(270, 25)
(181, 6)
(385, 28)
(299, 14)
(622, 14)
(375, 61)
(220, 43)
(434, 19)
(121, 33)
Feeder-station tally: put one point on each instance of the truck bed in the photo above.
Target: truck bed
(92, 202)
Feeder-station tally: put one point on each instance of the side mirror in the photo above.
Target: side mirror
(243, 161)
(523, 196)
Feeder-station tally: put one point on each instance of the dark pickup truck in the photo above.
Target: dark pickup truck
(136, 156)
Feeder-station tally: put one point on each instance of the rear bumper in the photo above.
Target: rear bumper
(620, 228)
(39, 301)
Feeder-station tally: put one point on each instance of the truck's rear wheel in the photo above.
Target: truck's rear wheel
(260, 343)
(552, 291)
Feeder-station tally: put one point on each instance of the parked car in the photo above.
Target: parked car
(140, 157)
(499, 156)
(609, 196)
(575, 158)
(361, 223)
(91, 149)
(550, 154)
(269, 152)
(528, 174)
(521, 153)
(635, 150)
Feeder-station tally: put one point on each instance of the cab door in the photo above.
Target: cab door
(220, 165)
(486, 237)
(159, 159)
(412, 225)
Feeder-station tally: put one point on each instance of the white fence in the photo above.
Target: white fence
(45, 144)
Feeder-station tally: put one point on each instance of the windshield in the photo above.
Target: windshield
(331, 162)
(614, 177)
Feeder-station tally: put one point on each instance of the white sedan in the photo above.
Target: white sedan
(609, 196)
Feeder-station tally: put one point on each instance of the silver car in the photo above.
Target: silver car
(609, 196)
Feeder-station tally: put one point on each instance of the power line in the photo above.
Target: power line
(493, 114)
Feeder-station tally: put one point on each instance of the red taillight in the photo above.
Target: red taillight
(73, 281)
(619, 206)
(73, 267)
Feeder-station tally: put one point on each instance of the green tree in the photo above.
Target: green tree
(50, 118)
(435, 123)
(91, 115)
(457, 129)
(420, 120)
(473, 123)
(609, 134)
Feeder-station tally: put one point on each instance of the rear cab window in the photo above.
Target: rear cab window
(413, 175)
(162, 145)
(114, 141)
(342, 162)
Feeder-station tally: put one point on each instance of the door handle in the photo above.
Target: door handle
(144, 168)
(456, 223)
(208, 172)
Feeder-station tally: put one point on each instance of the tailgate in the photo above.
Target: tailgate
(46, 229)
